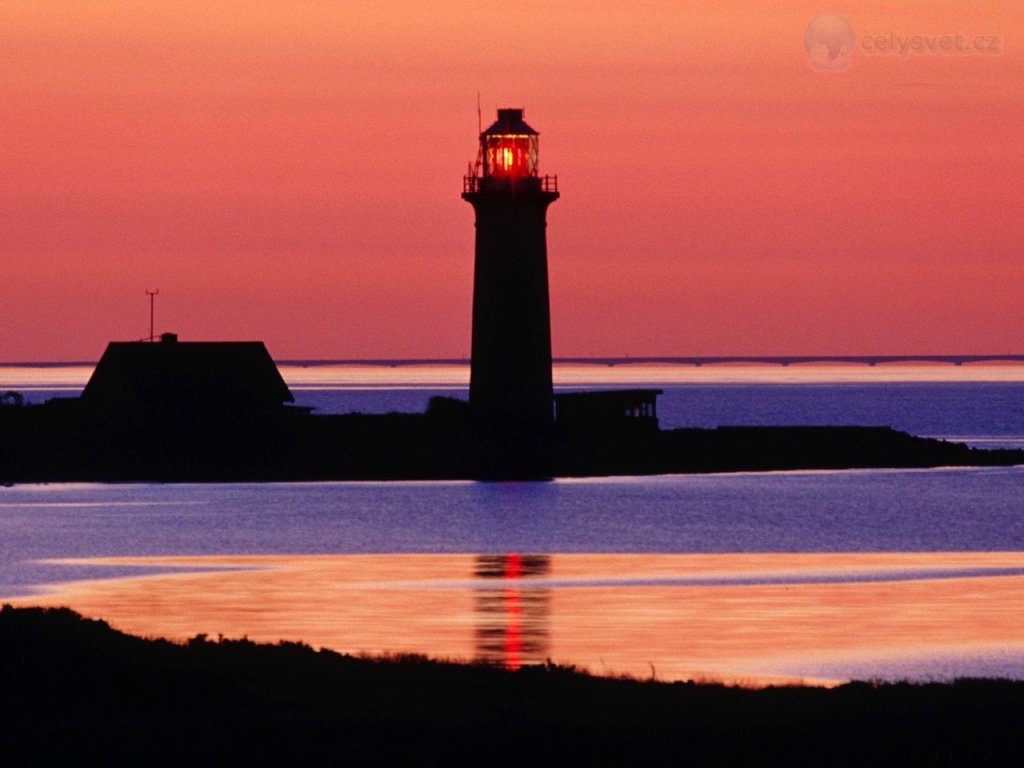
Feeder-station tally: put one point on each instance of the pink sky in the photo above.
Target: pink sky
(291, 172)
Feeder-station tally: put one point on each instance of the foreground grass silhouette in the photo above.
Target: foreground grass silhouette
(74, 689)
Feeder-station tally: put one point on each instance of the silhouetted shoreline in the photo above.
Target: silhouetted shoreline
(178, 411)
(63, 441)
(75, 688)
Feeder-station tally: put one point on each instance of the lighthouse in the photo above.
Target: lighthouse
(510, 392)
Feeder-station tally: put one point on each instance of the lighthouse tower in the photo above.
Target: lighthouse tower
(510, 389)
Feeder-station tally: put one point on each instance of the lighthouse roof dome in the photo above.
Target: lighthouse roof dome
(510, 121)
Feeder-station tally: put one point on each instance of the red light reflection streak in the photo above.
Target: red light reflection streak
(514, 616)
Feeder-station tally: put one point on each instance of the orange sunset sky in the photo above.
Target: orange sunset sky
(290, 171)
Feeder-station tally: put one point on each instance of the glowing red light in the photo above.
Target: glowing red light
(511, 156)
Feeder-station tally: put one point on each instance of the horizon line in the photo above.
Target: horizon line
(614, 361)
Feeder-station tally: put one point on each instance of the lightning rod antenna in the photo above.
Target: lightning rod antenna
(152, 296)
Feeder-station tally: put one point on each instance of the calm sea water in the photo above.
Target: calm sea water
(850, 511)
(927, 512)
(986, 414)
(981, 412)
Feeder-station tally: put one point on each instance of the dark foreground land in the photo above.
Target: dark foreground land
(76, 690)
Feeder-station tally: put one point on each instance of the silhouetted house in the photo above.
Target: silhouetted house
(195, 379)
(608, 409)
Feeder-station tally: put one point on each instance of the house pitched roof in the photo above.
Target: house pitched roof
(167, 376)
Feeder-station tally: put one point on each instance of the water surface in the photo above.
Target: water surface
(760, 576)
(751, 618)
(799, 575)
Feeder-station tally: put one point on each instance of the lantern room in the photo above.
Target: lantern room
(508, 149)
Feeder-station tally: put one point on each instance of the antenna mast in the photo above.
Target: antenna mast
(475, 167)
(152, 296)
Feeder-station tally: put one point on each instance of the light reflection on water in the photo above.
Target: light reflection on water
(748, 617)
(513, 617)
(889, 573)
(976, 402)
(316, 374)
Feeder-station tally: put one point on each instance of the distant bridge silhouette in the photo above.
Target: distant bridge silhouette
(782, 360)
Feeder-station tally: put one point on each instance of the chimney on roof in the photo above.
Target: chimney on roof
(168, 338)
